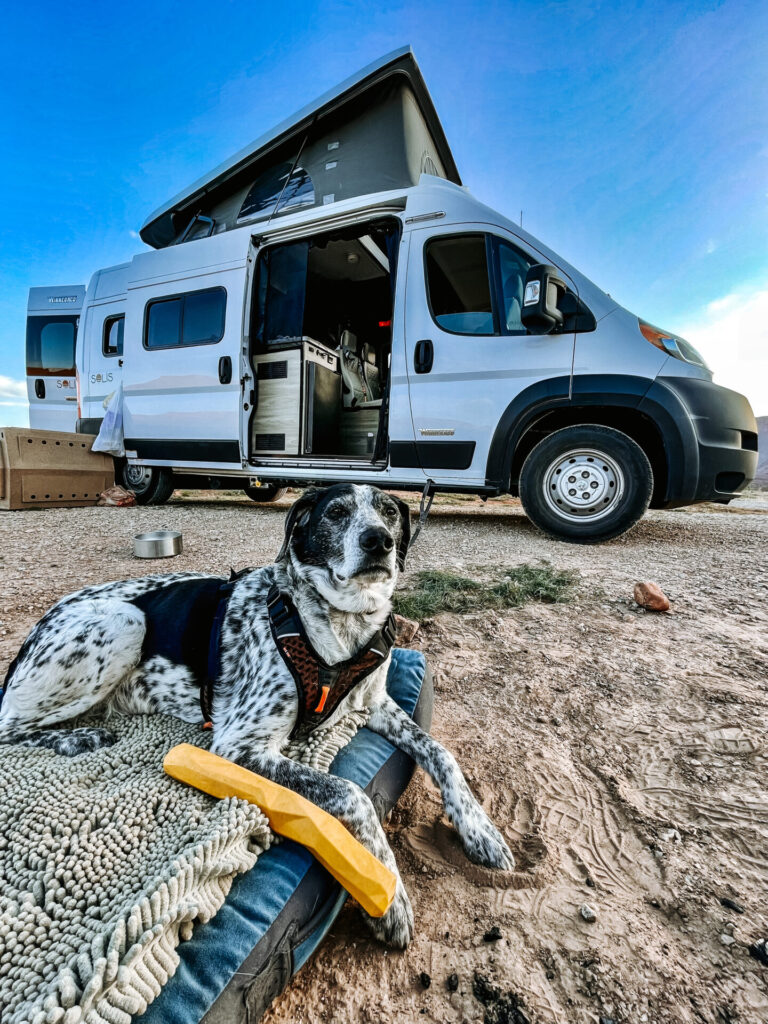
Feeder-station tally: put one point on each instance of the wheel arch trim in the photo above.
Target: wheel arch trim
(609, 391)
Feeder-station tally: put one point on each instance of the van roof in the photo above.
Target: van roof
(376, 131)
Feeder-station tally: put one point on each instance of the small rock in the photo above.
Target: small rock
(606, 1020)
(589, 881)
(425, 979)
(452, 982)
(727, 940)
(406, 630)
(652, 597)
(493, 934)
(670, 833)
(726, 901)
(587, 912)
(759, 952)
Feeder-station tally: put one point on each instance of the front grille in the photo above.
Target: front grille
(269, 443)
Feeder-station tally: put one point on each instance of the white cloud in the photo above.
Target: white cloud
(12, 392)
(732, 335)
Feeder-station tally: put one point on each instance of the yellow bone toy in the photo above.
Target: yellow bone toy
(363, 876)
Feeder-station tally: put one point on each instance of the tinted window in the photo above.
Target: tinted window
(513, 266)
(196, 318)
(458, 284)
(112, 341)
(271, 187)
(203, 317)
(51, 344)
(164, 324)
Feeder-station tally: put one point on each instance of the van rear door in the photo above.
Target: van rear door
(53, 315)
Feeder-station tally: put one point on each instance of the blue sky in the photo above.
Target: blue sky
(634, 137)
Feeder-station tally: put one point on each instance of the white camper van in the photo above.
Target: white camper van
(333, 305)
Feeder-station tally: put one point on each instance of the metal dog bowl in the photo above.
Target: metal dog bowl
(157, 544)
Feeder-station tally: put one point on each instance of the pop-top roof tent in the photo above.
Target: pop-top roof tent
(376, 131)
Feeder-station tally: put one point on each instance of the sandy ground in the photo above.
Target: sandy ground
(622, 753)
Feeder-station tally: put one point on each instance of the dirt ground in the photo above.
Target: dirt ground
(622, 753)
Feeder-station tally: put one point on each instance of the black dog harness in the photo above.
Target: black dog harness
(321, 687)
(183, 624)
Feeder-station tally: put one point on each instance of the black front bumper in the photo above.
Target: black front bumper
(714, 456)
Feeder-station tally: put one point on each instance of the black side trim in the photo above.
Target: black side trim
(431, 454)
(89, 425)
(184, 451)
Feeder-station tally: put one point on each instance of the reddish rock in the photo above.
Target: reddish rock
(652, 597)
(406, 630)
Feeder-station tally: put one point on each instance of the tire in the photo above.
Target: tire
(152, 485)
(264, 495)
(608, 466)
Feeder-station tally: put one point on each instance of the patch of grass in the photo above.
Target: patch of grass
(434, 590)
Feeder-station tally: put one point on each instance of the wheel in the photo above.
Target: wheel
(152, 485)
(586, 483)
(265, 494)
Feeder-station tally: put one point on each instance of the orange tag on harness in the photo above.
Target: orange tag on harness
(323, 699)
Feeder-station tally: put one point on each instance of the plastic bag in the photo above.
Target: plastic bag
(110, 438)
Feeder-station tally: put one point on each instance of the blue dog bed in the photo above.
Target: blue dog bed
(277, 914)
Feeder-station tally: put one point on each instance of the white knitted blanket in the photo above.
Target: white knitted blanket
(106, 864)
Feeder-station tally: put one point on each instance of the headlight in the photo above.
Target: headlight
(672, 344)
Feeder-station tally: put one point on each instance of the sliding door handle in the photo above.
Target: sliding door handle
(225, 370)
(423, 356)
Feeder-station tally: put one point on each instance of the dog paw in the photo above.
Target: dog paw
(484, 844)
(82, 741)
(395, 928)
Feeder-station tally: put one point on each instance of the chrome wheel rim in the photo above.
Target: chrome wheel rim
(138, 478)
(583, 484)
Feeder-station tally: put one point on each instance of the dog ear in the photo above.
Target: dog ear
(298, 514)
(405, 536)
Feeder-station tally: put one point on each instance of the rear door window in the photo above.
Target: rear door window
(51, 345)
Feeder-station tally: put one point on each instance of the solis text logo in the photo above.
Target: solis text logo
(101, 378)
(62, 298)
(65, 383)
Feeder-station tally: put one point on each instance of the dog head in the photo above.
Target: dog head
(348, 541)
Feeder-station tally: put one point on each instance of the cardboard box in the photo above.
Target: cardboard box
(51, 469)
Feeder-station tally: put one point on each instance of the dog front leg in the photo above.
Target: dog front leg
(347, 802)
(482, 841)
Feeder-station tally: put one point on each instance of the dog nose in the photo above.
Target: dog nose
(376, 541)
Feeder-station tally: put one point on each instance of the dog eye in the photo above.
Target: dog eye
(337, 512)
(391, 512)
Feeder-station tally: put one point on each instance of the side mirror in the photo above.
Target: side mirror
(544, 289)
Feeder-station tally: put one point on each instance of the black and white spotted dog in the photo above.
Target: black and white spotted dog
(338, 564)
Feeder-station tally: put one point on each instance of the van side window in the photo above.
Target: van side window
(513, 266)
(195, 318)
(458, 284)
(112, 338)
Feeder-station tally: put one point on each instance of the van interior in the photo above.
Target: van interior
(321, 340)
